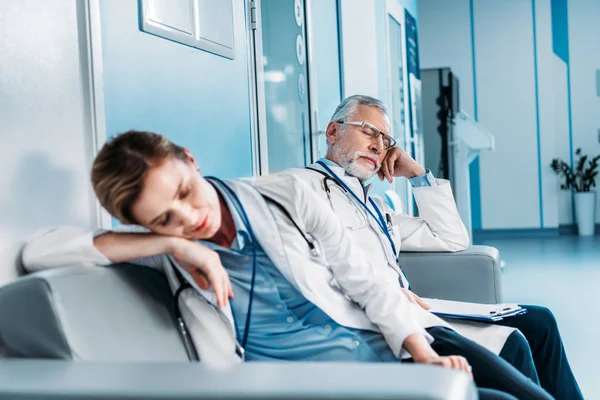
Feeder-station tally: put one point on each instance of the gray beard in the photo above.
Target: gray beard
(352, 168)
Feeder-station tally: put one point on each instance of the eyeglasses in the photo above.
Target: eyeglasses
(372, 132)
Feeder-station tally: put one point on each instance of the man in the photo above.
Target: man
(360, 146)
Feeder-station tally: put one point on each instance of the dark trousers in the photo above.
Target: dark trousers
(490, 394)
(543, 337)
(489, 370)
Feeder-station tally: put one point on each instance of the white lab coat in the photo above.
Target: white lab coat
(343, 280)
(438, 228)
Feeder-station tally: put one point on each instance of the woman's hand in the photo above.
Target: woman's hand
(204, 265)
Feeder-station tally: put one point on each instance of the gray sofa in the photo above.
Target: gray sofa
(108, 333)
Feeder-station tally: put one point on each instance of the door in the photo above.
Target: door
(323, 58)
(398, 95)
(282, 84)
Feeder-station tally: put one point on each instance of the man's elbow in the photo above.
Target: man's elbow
(463, 242)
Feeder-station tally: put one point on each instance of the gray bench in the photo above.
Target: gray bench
(108, 333)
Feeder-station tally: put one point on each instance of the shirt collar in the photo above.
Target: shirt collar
(243, 235)
(341, 172)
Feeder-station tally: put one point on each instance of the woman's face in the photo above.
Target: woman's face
(177, 201)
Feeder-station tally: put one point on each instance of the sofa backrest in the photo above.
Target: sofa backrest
(117, 313)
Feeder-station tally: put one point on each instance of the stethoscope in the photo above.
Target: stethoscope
(244, 216)
(240, 348)
(240, 345)
(384, 223)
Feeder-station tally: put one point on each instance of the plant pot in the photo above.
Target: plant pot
(585, 212)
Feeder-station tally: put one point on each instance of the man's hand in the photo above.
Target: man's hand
(454, 362)
(422, 353)
(205, 267)
(398, 163)
(416, 299)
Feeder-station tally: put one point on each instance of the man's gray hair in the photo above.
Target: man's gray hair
(347, 107)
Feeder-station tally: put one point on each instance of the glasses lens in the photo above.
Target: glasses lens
(388, 141)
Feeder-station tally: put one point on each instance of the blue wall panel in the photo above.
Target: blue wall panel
(560, 29)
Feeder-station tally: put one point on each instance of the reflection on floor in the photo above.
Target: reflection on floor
(563, 274)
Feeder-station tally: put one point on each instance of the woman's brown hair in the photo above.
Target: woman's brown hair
(121, 166)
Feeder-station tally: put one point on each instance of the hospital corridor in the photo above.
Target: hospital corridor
(299, 199)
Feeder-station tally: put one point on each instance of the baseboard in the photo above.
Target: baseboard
(486, 234)
(571, 229)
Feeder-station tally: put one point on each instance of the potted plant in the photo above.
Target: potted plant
(582, 180)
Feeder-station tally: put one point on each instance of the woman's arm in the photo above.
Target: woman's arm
(121, 247)
(74, 247)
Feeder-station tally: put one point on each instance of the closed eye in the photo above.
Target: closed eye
(166, 220)
(184, 193)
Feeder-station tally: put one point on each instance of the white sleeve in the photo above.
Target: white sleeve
(369, 285)
(73, 246)
(438, 227)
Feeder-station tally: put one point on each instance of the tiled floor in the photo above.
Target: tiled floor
(563, 274)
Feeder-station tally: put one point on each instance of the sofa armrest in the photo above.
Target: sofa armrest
(471, 275)
(53, 379)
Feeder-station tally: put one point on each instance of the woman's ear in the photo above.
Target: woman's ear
(190, 158)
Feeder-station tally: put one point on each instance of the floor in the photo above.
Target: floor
(563, 274)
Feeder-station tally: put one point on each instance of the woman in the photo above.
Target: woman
(261, 239)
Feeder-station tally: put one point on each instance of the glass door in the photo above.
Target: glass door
(397, 105)
(282, 84)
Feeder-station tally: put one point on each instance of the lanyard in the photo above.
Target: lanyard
(246, 221)
(379, 218)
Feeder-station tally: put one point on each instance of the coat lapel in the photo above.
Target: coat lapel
(263, 224)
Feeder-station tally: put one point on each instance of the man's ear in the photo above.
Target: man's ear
(332, 133)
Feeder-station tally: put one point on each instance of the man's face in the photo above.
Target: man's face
(355, 151)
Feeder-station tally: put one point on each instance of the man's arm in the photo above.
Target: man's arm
(374, 287)
(369, 285)
(438, 227)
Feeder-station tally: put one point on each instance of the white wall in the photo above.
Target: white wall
(513, 177)
(445, 40)
(561, 124)
(553, 123)
(43, 146)
(359, 48)
(584, 53)
(506, 104)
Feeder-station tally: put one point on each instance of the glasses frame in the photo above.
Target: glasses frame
(364, 124)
